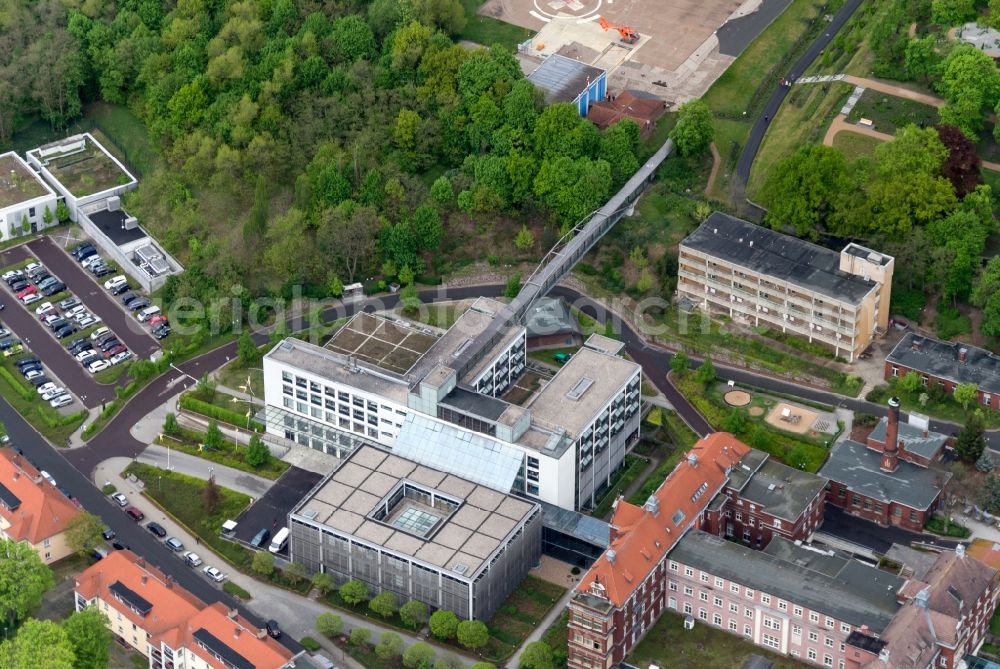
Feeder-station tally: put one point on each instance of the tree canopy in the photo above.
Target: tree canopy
(24, 578)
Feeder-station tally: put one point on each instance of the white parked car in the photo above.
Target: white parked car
(61, 401)
(214, 574)
(78, 309)
(53, 393)
(45, 308)
(120, 357)
(192, 559)
(31, 268)
(47, 477)
(97, 366)
(33, 374)
(120, 499)
(51, 318)
(87, 321)
(45, 387)
(82, 355)
(114, 282)
(30, 299)
(98, 333)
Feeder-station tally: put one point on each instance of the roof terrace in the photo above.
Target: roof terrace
(82, 165)
(18, 182)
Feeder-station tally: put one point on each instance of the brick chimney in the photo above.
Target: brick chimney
(890, 454)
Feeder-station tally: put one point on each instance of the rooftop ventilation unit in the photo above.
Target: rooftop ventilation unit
(114, 203)
(460, 568)
(577, 391)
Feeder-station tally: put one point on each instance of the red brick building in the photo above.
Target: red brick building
(947, 363)
(882, 481)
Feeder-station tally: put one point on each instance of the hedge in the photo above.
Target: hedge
(17, 386)
(218, 413)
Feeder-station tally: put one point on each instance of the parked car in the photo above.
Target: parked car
(77, 250)
(115, 351)
(43, 279)
(120, 357)
(31, 299)
(4, 332)
(108, 342)
(53, 393)
(34, 373)
(102, 271)
(65, 331)
(157, 319)
(39, 381)
(45, 387)
(128, 297)
(98, 365)
(27, 290)
(114, 282)
(61, 401)
(136, 305)
(51, 318)
(48, 477)
(120, 499)
(73, 311)
(174, 544)
(121, 289)
(11, 275)
(56, 287)
(214, 574)
(192, 559)
(260, 538)
(90, 259)
(156, 529)
(92, 357)
(161, 331)
(87, 321)
(56, 322)
(134, 513)
(147, 313)
(68, 303)
(15, 348)
(108, 533)
(45, 308)
(25, 362)
(273, 630)
(18, 284)
(98, 333)
(31, 269)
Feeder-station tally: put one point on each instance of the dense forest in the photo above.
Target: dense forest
(314, 142)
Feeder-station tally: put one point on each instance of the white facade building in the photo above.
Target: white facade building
(23, 197)
(389, 383)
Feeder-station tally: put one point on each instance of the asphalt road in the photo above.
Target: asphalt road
(44, 456)
(756, 137)
(93, 295)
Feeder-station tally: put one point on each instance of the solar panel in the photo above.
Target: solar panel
(216, 646)
(131, 598)
(9, 499)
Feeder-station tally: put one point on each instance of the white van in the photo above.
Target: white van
(115, 282)
(280, 541)
(148, 313)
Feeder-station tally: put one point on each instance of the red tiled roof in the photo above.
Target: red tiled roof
(171, 604)
(236, 632)
(641, 536)
(43, 512)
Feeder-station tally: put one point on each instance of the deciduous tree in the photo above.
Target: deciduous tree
(444, 624)
(354, 592)
(384, 604)
(803, 190)
(419, 655)
(24, 578)
(413, 613)
(472, 634)
(257, 453)
(90, 638)
(84, 533)
(537, 655)
(38, 643)
(329, 624)
(263, 563)
(694, 130)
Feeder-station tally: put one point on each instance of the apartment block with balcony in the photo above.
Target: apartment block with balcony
(761, 277)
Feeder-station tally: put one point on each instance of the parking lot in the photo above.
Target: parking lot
(271, 511)
(131, 332)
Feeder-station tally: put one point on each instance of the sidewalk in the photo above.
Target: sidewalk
(295, 613)
(227, 477)
(538, 632)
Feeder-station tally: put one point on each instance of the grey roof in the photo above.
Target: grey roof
(913, 439)
(919, 561)
(940, 358)
(468, 537)
(831, 584)
(550, 316)
(783, 257)
(563, 79)
(858, 467)
(781, 490)
(580, 526)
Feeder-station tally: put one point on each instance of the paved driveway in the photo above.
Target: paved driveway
(82, 284)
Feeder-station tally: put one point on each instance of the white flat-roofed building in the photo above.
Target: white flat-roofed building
(394, 384)
(417, 532)
(24, 197)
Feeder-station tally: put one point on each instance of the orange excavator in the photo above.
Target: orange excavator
(628, 34)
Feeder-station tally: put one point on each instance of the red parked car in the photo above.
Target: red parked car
(24, 292)
(110, 353)
(156, 320)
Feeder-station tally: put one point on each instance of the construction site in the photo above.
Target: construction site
(673, 49)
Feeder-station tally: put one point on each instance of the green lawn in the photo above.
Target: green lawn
(488, 31)
(230, 455)
(802, 119)
(128, 135)
(853, 145)
(548, 355)
(182, 497)
(518, 616)
(54, 426)
(668, 644)
(889, 112)
(947, 410)
(557, 637)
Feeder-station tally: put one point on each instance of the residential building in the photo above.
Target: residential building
(622, 594)
(417, 532)
(420, 394)
(24, 197)
(945, 616)
(764, 278)
(168, 625)
(563, 79)
(764, 498)
(886, 482)
(91, 181)
(948, 364)
(550, 324)
(32, 509)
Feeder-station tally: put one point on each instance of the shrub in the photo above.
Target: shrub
(257, 453)
(170, 425)
(419, 656)
(322, 581)
(354, 592)
(472, 634)
(444, 624)
(537, 655)
(263, 563)
(235, 590)
(413, 614)
(384, 604)
(329, 624)
(390, 645)
(310, 644)
(198, 406)
(360, 636)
